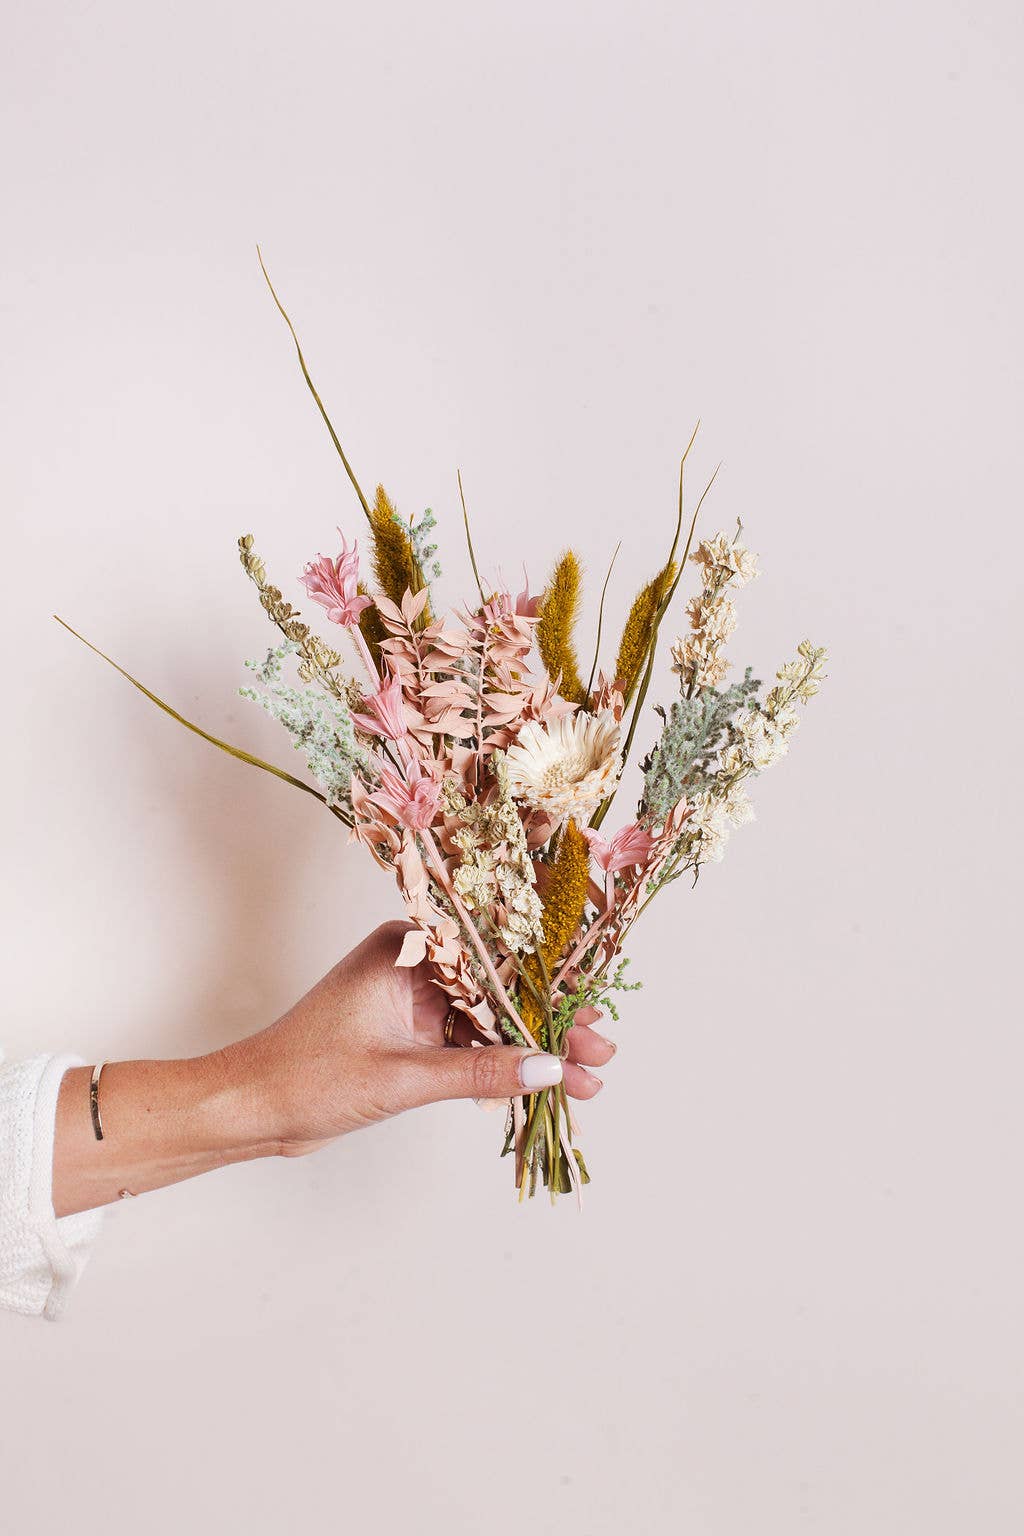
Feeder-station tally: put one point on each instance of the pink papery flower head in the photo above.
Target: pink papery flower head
(630, 845)
(413, 801)
(334, 584)
(388, 717)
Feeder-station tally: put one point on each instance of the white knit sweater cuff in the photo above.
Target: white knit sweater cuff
(41, 1255)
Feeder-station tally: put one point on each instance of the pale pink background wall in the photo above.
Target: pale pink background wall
(537, 242)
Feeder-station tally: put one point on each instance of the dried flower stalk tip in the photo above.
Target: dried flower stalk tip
(558, 610)
(394, 558)
(639, 632)
(319, 663)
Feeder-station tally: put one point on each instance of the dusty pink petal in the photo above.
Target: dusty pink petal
(414, 948)
(630, 845)
(411, 866)
(600, 850)
(527, 607)
(388, 712)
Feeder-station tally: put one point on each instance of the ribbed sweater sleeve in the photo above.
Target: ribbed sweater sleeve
(41, 1255)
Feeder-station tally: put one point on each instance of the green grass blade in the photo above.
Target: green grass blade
(469, 540)
(600, 620)
(239, 752)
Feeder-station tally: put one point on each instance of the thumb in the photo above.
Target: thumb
(479, 1072)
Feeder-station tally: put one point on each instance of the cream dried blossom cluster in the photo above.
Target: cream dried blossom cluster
(760, 734)
(757, 737)
(724, 563)
(496, 874)
(708, 829)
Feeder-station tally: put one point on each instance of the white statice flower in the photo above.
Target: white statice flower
(566, 767)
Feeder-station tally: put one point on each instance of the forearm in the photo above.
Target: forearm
(163, 1121)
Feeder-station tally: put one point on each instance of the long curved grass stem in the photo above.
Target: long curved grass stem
(600, 620)
(313, 391)
(197, 730)
(469, 540)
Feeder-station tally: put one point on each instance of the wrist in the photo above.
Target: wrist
(234, 1106)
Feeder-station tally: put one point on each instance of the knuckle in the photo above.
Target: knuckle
(390, 935)
(489, 1073)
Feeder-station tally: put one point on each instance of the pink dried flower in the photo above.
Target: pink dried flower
(334, 583)
(413, 800)
(527, 606)
(388, 718)
(630, 845)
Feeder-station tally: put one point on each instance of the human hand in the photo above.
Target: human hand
(367, 1042)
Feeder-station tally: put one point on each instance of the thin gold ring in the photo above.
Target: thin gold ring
(449, 1026)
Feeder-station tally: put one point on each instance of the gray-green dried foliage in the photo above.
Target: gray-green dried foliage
(320, 725)
(693, 732)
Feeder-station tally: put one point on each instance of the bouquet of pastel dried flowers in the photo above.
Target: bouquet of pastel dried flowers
(477, 767)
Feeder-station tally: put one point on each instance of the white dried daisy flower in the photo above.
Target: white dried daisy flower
(567, 767)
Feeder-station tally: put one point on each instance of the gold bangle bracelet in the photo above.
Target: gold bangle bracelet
(94, 1100)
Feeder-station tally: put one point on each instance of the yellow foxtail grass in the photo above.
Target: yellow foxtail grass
(557, 621)
(564, 902)
(641, 629)
(394, 562)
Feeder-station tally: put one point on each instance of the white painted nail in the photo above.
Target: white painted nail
(539, 1071)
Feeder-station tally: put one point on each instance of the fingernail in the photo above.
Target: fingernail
(539, 1071)
(605, 1041)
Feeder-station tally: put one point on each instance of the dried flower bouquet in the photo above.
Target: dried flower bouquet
(481, 780)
